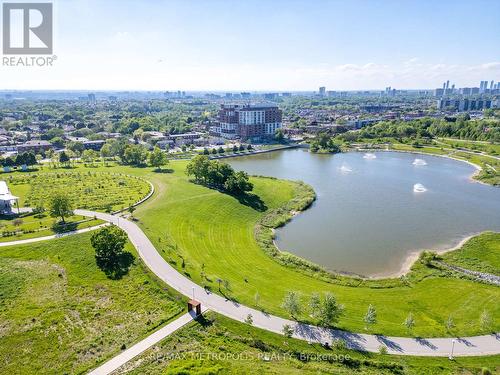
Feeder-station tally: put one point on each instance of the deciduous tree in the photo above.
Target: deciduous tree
(291, 303)
(108, 244)
(60, 205)
(158, 158)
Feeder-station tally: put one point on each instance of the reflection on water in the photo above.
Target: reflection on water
(369, 221)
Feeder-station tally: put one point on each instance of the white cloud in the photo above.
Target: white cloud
(491, 66)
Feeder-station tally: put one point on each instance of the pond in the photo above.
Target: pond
(374, 212)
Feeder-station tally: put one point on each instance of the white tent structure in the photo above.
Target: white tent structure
(6, 199)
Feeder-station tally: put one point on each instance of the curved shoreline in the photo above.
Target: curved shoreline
(411, 258)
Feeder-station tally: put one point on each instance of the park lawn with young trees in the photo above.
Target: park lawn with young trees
(80, 188)
(209, 235)
(60, 313)
(86, 188)
(221, 345)
(31, 226)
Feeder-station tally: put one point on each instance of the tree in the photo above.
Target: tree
(39, 208)
(158, 158)
(450, 323)
(57, 142)
(485, 321)
(287, 330)
(54, 160)
(71, 156)
(198, 167)
(76, 147)
(108, 244)
(330, 311)
(315, 305)
(135, 155)
(26, 158)
(370, 316)
(60, 206)
(89, 156)
(219, 175)
(291, 303)
(238, 183)
(64, 158)
(257, 298)
(17, 222)
(409, 322)
(279, 136)
(106, 151)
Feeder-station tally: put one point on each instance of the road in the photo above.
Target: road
(468, 346)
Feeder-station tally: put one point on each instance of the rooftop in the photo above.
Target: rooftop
(5, 194)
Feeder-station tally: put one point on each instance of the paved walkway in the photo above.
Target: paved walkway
(132, 352)
(469, 346)
(59, 235)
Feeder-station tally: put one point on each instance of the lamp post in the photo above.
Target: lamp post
(193, 292)
(452, 347)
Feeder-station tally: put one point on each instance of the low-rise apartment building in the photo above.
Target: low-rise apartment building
(248, 121)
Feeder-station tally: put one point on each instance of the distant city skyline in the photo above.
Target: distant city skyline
(259, 45)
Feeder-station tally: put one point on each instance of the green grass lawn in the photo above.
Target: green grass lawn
(60, 314)
(490, 148)
(218, 345)
(480, 253)
(29, 226)
(208, 235)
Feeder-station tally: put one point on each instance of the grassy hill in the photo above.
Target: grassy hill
(60, 314)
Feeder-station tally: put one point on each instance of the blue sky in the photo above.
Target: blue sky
(267, 45)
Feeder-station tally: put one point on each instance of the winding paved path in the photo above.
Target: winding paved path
(51, 237)
(469, 346)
